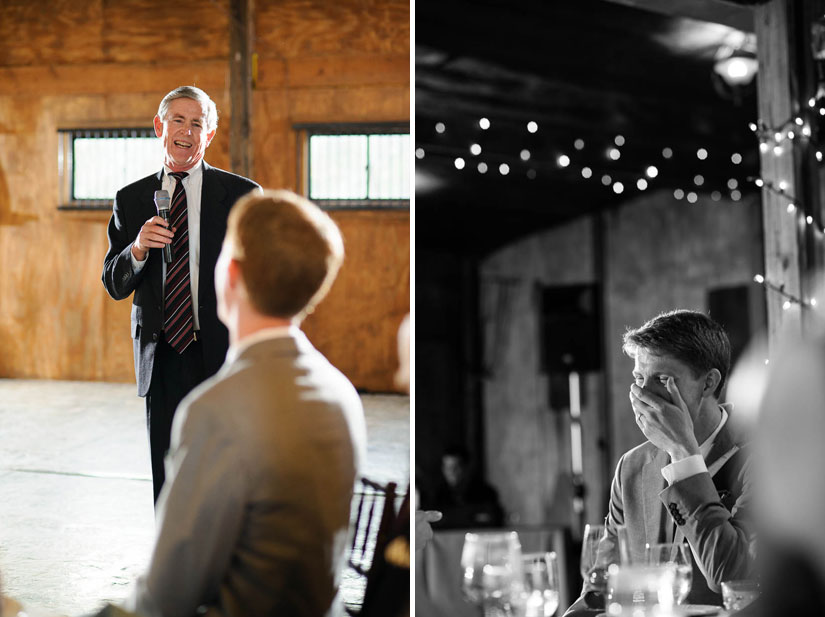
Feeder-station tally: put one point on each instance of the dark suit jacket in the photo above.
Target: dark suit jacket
(712, 513)
(134, 205)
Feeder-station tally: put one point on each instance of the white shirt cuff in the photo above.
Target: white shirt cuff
(137, 266)
(683, 469)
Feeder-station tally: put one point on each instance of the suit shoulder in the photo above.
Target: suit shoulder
(636, 457)
(140, 185)
(231, 179)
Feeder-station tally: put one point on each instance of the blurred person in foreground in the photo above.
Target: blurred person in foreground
(787, 415)
(689, 482)
(253, 518)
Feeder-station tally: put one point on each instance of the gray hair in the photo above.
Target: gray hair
(196, 94)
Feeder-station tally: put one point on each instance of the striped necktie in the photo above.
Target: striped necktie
(178, 324)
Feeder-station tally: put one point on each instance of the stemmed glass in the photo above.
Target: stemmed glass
(677, 555)
(599, 551)
(492, 571)
(540, 594)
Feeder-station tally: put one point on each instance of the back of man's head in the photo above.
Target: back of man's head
(289, 252)
(689, 336)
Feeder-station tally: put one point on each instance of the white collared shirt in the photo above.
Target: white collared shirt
(192, 184)
(695, 464)
(265, 334)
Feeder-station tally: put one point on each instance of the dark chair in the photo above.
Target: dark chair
(375, 525)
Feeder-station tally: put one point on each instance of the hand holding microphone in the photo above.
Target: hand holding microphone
(156, 232)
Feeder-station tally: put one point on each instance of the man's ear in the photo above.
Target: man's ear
(210, 136)
(712, 381)
(158, 124)
(233, 274)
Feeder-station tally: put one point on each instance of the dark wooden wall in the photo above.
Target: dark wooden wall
(107, 63)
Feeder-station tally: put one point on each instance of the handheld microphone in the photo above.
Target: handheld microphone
(162, 204)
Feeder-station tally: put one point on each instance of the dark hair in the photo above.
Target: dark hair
(689, 336)
(458, 451)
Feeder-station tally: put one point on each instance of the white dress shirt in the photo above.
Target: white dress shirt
(192, 184)
(695, 464)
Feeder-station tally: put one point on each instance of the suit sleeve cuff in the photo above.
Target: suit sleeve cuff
(137, 266)
(683, 469)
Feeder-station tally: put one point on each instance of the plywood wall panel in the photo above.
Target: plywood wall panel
(304, 27)
(356, 325)
(155, 31)
(48, 32)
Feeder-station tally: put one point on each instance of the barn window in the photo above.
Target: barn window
(356, 165)
(93, 164)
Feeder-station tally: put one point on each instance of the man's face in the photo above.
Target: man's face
(183, 134)
(453, 469)
(650, 372)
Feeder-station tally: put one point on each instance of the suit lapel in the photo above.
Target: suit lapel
(654, 483)
(721, 445)
(212, 227)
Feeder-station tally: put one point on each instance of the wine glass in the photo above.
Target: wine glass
(678, 555)
(540, 592)
(599, 551)
(492, 570)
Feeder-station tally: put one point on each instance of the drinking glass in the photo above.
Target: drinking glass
(676, 554)
(599, 551)
(492, 570)
(736, 595)
(540, 592)
(640, 590)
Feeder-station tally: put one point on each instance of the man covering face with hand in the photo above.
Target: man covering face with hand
(689, 481)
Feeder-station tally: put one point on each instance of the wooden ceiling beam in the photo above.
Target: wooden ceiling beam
(733, 14)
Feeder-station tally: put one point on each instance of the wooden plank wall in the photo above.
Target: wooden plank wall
(108, 63)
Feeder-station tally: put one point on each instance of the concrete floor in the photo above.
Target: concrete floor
(76, 516)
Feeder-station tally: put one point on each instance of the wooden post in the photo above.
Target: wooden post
(240, 85)
(786, 81)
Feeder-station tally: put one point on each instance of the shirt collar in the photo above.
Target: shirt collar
(256, 337)
(704, 449)
(195, 172)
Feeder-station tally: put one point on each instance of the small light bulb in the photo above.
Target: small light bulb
(759, 182)
(419, 153)
(798, 121)
(578, 144)
(607, 180)
(692, 197)
(618, 188)
(777, 136)
(806, 131)
(766, 361)
(812, 102)
(735, 195)
(809, 219)
(619, 140)
(532, 127)
(475, 149)
(524, 155)
(678, 194)
(667, 153)
(822, 111)
(791, 208)
(482, 167)
(651, 171)
(698, 180)
(732, 183)
(484, 123)
(791, 135)
(819, 156)
(763, 147)
(641, 184)
(759, 279)
(614, 154)
(716, 195)
(504, 169)
(736, 158)
(531, 173)
(752, 126)
(786, 305)
(440, 127)
(783, 185)
(701, 154)
(813, 301)
(563, 160)
(777, 150)
(587, 172)
(459, 163)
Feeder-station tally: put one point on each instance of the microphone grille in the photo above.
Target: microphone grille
(162, 200)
